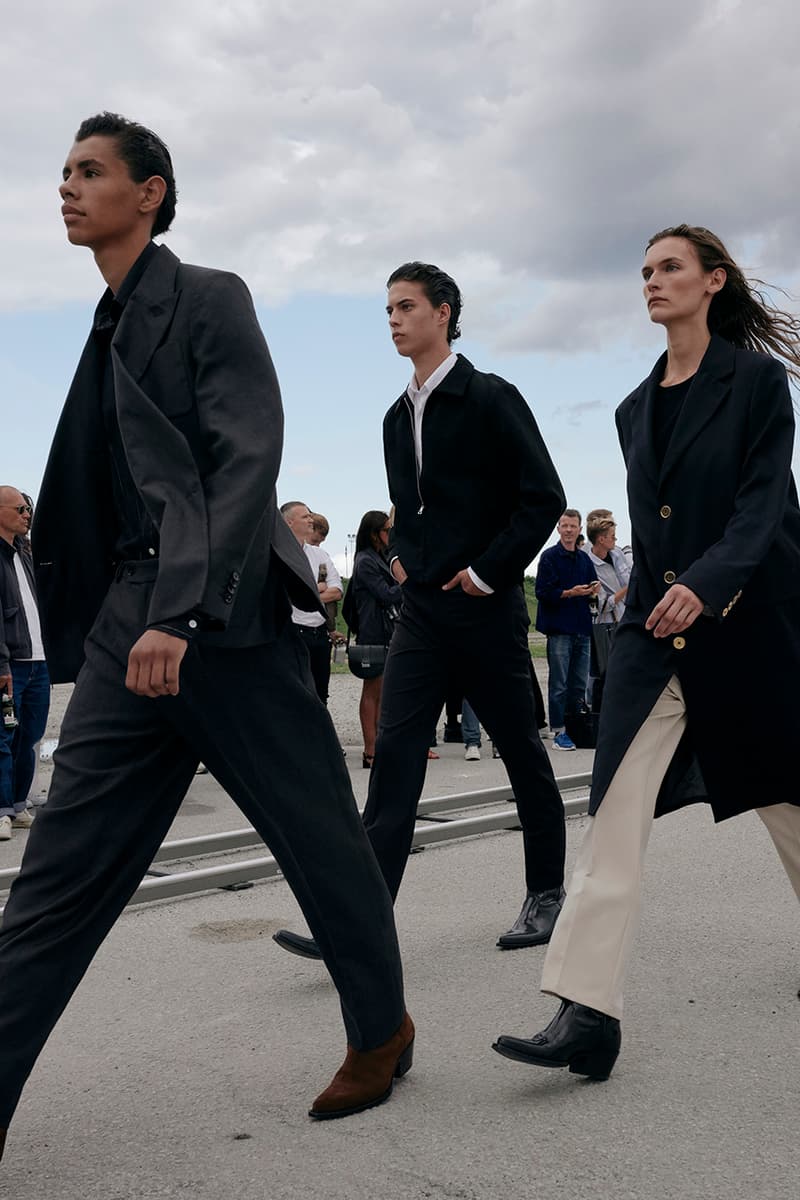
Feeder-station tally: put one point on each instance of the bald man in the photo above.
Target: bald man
(23, 671)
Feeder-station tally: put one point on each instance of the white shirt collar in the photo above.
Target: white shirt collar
(418, 393)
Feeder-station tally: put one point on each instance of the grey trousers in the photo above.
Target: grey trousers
(123, 765)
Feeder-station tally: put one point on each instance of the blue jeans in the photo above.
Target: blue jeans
(568, 664)
(470, 726)
(18, 746)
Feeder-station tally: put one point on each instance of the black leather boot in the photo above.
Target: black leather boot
(2, 1141)
(583, 1039)
(295, 943)
(535, 922)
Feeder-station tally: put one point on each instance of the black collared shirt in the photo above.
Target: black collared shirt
(136, 537)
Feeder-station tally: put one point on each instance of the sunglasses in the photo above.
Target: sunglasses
(20, 508)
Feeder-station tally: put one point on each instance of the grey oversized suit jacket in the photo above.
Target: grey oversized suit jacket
(201, 421)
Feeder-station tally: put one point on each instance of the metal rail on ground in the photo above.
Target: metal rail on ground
(166, 886)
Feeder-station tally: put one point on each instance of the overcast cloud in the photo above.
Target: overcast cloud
(530, 147)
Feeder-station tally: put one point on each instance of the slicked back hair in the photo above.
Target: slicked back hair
(144, 154)
(740, 312)
(438, 287)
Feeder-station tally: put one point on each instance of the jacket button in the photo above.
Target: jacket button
(665, 511)
(669, 577)
(679, 643)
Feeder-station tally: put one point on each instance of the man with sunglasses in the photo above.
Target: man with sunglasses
(23, 670)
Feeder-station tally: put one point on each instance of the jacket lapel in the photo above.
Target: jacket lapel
(709, 388)
(148, 314)
(641, 418)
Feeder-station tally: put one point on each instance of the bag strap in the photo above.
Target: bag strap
(608, 598)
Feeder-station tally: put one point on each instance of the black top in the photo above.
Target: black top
(135, 535)
(487, 496)
(669, 402)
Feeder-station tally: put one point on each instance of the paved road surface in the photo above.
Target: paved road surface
(187, 1060)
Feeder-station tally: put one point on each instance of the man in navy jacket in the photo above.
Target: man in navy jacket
(566, 581)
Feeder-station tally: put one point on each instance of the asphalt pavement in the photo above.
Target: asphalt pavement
(187, 1059)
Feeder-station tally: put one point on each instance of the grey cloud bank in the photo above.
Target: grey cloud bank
(529, 147)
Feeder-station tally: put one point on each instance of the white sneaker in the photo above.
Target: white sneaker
(5, 829)
(472, 754)
(23, 819)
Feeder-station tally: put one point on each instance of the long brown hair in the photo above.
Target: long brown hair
(739, 312)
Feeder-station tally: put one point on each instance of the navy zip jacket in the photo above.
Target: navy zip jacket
(559, 570)
(487, 496)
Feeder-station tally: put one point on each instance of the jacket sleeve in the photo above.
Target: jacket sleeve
(240, 417)
(540, 495)
(764, 478)
(548, 586)
(374, 579)
(5, 656)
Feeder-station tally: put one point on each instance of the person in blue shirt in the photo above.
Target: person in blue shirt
(566, 582)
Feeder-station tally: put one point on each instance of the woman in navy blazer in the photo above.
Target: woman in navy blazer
(709, 646)
(373, 600)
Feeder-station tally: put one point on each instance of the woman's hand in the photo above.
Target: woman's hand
(677, 610)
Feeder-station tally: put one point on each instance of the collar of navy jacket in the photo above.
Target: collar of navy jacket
(708, 389)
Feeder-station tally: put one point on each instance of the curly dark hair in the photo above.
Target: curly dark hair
(438, 287)
(739, 312)
(144, 154)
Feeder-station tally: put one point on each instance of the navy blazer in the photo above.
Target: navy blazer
(371, 594)
(720, 515)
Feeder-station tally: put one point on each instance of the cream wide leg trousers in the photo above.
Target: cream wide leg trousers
(591, 944)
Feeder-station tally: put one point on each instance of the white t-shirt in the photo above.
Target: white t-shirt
(317, 557)
(31, 612)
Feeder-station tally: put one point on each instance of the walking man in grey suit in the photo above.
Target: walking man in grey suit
(171, 611)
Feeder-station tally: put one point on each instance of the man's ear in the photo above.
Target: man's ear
(153, 191)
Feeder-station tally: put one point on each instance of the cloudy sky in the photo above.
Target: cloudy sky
(529, 148)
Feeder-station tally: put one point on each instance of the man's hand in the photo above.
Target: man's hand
(154, 664)
(398, 571)
(677, 610)
(7, 684)
(582, 589)
(620, 595)
(464, 580)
